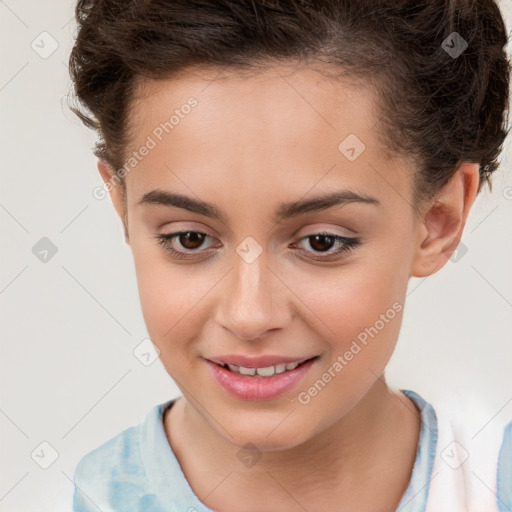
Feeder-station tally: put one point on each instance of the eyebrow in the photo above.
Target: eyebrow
(284, 211)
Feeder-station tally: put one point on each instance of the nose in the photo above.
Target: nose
(253, 300)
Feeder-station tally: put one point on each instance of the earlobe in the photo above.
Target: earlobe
(441, 229)
(112, 184)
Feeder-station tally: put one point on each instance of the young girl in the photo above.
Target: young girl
(281, 169)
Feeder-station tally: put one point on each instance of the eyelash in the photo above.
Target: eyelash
(165, 240)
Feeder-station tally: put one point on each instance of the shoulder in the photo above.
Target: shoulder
(112, 476)
(117, 453)
(473, 457)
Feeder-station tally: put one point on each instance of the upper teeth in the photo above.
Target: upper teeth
(268, 371)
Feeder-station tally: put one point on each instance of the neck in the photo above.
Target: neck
(378, 436)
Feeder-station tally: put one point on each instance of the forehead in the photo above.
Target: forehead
(287, 126)
(259, 100)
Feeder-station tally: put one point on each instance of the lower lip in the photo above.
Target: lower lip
(247, 387)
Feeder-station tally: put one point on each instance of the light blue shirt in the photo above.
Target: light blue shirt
(137, 471)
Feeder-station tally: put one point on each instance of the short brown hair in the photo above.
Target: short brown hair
(441, 107)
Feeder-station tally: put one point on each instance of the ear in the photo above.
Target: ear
(117, 193)
(441, 226)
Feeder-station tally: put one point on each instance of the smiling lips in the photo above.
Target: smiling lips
(260, 378)
(264, 366)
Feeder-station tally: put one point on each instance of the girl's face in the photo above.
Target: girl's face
(257, 170)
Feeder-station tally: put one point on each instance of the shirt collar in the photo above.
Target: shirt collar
(170, 485)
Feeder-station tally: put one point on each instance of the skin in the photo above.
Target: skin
(252, 143)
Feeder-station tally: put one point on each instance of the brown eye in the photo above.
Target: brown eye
(191, 239)
(184, 244)
(321, 242)
(189, 244)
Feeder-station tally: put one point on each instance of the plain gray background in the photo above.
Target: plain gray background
(69, 325)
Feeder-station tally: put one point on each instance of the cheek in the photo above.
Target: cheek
(357, 315)
(357, 311)
(351, 298)
(172, 300)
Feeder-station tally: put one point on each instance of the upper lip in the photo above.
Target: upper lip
(255, 362)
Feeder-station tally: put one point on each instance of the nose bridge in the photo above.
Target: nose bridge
(249, 306)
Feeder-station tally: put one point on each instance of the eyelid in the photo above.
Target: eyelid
(173, 235)
(320, 228)
(347, 245)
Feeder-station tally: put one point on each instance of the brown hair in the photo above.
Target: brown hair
(444, 107)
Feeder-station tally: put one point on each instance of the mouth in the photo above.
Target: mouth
(264, 371)
(259, 382)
